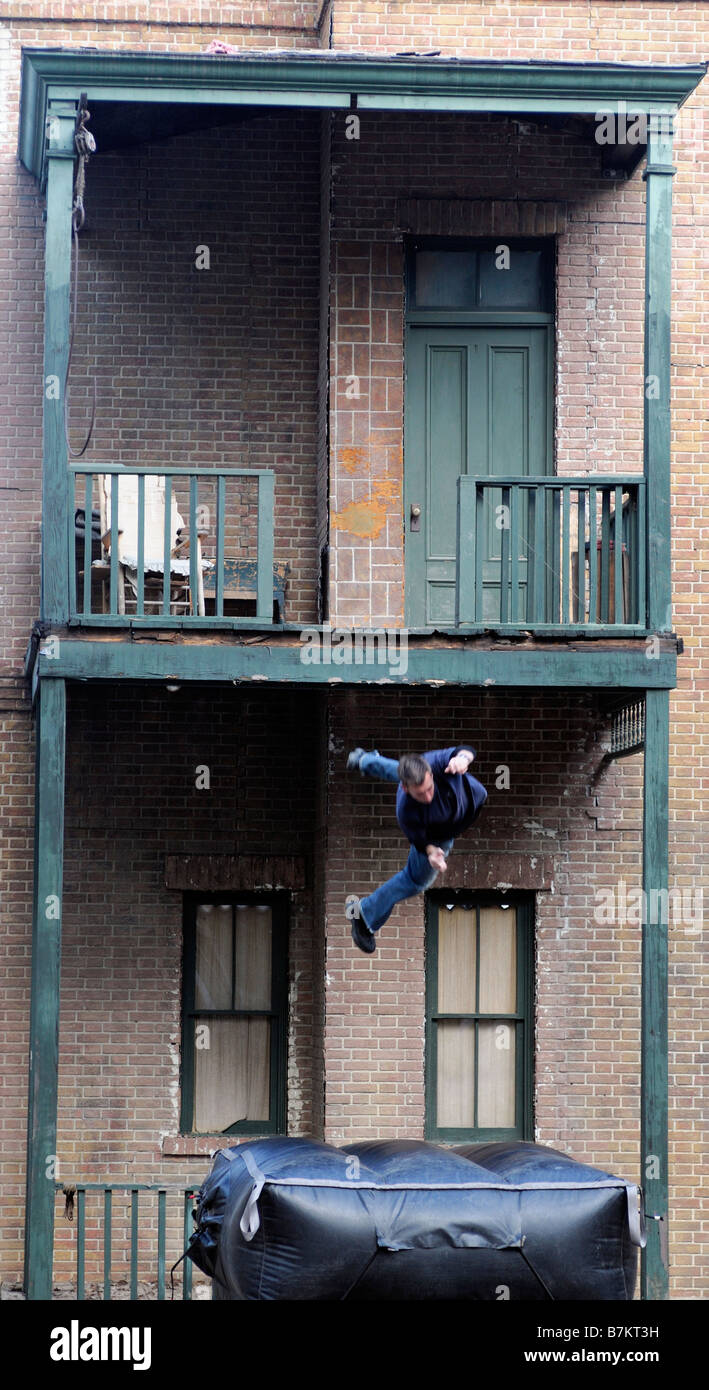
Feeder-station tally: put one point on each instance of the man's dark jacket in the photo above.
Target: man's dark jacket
(457, 802)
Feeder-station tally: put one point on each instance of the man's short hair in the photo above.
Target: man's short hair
(413, 769)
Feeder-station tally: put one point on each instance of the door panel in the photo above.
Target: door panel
(478, 403)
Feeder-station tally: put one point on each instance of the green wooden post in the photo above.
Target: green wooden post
(654, 1042)
(44, 1006)
(653, 1105)
(61, 123)
(656, 451)
(264, 569)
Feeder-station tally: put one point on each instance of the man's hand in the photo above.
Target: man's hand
(461, 762)
(436, 858)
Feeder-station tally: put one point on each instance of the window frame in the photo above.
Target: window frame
(523, 1128)
(545, 244)
(278, 1013)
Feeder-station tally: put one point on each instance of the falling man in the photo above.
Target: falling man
(437, 799)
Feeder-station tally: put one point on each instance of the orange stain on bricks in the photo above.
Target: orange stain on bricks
(367, 518)
(352, 460)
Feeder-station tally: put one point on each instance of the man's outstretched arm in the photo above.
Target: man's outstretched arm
(441, 759)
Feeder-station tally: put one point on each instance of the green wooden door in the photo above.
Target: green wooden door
(478, 402)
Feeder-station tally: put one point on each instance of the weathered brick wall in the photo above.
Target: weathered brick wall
(431, 173)
(132, 799)
(587, 979)
(212, 366)
(587, 1024)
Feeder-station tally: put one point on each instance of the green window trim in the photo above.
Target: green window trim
(278, 902)
(522, 1018)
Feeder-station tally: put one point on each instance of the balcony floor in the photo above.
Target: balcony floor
(318, 655)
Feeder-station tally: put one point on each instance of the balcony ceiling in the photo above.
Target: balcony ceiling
(134, 96)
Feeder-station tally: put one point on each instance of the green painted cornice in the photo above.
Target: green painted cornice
(330, 80)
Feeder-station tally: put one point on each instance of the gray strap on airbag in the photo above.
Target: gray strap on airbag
(250, 1220)
(636, 1225)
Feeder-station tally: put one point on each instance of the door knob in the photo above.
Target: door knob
(415, 515)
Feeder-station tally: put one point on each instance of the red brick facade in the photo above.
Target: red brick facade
(230, 366)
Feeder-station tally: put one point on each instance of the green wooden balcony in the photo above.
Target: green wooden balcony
(164, 547)
(128, 1229)
(552, 554)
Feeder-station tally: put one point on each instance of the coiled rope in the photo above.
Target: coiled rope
(85, 146)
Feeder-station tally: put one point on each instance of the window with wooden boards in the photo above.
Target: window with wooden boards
(479, 1034)
(234, 1014)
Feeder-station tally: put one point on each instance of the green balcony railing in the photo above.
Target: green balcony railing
(147, 1215)
(552, 554)
(166, 547)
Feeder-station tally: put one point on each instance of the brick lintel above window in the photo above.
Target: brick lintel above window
(501, 872)
(214, 873)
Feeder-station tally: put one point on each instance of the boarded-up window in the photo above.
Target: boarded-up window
(234, 1024)
(478, 1024)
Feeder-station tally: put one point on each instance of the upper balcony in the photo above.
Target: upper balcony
(194, 549)
(180, 547)
(349, 385)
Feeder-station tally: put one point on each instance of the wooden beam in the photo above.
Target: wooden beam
(44, 1006)
(586, 666)
(656, 436)
(654, 1039)
(57, 275)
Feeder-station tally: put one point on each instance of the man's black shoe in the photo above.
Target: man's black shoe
(363, 938)
(353, 759)
(361, 935)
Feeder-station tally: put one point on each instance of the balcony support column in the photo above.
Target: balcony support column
(656, 453)
(654, 1029)
(44, 1005)
(656, 425)
(61, 122)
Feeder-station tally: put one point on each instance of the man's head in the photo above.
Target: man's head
(416, 777)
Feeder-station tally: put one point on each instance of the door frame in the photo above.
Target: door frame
(473, 318)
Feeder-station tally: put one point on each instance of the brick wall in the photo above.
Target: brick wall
(131, 800)
(587, 983)
(431, 174)
(213, 366)
(587, 979)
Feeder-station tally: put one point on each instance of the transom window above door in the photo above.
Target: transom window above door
(503, 274)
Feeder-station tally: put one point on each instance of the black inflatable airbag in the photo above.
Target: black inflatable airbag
(295, 1219)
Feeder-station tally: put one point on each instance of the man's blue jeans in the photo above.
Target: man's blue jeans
(417, 874)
